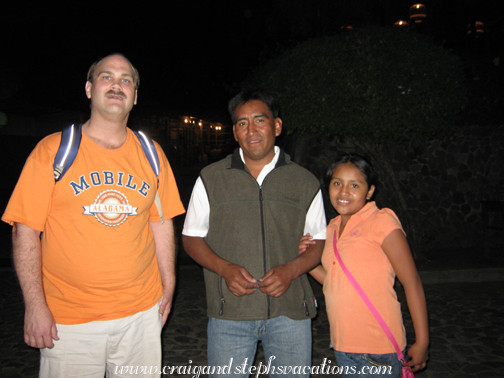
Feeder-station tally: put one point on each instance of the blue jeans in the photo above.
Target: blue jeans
(287, 347)
(365, 365)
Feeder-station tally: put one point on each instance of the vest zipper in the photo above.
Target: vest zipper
(219, 286)
(264, 245)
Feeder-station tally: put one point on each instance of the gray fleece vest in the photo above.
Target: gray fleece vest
(258, 228)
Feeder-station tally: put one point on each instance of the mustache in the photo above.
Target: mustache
(118, 93)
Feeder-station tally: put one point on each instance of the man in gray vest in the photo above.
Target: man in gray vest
(246, 216)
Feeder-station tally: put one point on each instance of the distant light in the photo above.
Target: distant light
(401, 23)
(418, 13)
(480, 27)
(477, 26)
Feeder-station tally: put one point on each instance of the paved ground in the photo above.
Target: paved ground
(466, 324)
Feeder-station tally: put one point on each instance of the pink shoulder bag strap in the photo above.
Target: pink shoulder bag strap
(368, 303)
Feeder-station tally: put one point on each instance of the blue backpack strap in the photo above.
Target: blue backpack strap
(152, 156)
(150, 151)
(67, 151)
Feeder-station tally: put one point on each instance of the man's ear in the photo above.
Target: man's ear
(88, 87)
(234, 133)
(278, 126)
(136, 97)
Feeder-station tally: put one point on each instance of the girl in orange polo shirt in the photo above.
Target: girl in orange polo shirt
(373, 246)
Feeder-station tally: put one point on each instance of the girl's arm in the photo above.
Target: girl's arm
(318, 272)
(398, 252)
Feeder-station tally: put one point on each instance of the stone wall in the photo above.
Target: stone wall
(443, 183)
(446, 180)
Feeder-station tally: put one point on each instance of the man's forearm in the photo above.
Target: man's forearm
(308, 259)
(27, 258)
(164, 237)
(39, 325)
(200, 252)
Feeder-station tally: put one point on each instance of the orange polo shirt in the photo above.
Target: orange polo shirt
(98, 251)
(354, 329)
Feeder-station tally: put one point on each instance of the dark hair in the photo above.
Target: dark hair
(360, 163)
(91, 71)
(251, 94)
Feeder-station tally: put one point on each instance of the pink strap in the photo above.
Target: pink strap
(366, 300)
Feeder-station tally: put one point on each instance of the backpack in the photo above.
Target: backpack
(69, 146)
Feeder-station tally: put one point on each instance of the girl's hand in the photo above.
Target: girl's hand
(305, 242)
(419, 356)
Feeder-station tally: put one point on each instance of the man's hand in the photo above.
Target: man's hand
(277, 280)
(166, 303)
(40, 327)
(238, 280)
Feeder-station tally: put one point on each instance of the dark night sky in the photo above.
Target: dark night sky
(179, 53)
(188, 55)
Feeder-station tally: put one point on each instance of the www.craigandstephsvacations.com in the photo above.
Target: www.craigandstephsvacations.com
(245, 368)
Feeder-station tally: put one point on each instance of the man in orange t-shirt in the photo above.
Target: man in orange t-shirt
(98, 285)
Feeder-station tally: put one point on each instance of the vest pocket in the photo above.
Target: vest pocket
(305, 302)
(305, 305)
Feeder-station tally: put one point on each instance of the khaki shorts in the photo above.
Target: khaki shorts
(109, 347)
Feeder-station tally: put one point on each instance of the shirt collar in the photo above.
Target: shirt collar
(275, 157)
(364, 213)
(267, 168)
(368, 209)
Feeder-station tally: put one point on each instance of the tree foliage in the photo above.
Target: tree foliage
(372, 84)
(365, 90)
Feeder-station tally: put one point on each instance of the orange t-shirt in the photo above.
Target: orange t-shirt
(98, 251)
(354, 329)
